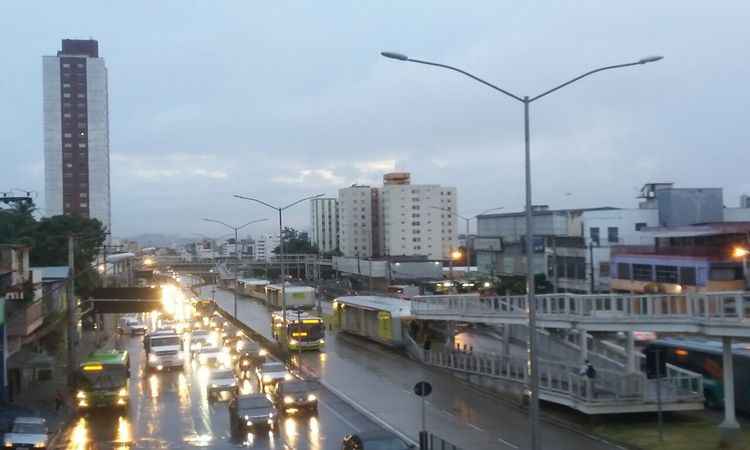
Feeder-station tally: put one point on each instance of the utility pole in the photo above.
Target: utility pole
(71, 304)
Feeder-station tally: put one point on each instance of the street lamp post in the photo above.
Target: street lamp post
(526, 100)
(236, 253)
(280, 210)
(467, 219)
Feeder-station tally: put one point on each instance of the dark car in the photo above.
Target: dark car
(294, 395)
(247, 362)
(374, 440)
(251, 412)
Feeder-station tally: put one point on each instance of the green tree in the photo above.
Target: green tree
(48, 239)
(296, 242)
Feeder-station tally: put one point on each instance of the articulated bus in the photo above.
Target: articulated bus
(303, 331)
(705, 357)
(103, 381)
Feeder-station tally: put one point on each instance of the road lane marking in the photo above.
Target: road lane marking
(509, 444)
(340, 416)
(474, 427)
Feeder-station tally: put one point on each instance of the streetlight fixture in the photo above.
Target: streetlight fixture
(280, 209)
(236, 253)
(526, 100)
(467, 219)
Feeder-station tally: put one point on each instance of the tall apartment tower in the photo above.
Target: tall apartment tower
(76, 132)
(324, 221)
(418, 219)
(358, 219)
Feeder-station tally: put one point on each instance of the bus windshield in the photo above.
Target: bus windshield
(166, 340)
(307, 331)
(107, 378)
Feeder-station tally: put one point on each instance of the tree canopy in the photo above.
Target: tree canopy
(48, 239)
(296, 242)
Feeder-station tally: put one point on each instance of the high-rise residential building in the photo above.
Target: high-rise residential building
(76, 132)
(356, 216)
(398, 219)
(324, 221)
(264, 246)
(418, 219)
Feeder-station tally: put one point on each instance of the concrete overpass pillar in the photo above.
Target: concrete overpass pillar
(506, 339)
(583, 344)
(630, 352)
(729, 427)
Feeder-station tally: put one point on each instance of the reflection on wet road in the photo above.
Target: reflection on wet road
(172, 411)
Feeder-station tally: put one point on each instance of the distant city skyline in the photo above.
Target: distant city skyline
(285, 101)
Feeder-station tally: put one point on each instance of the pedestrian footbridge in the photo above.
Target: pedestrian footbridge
(720, 314)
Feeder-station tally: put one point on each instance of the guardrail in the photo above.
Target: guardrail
(561, 380)
(705, 309)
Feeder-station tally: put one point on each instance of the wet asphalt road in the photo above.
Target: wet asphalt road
(381, 380)
(171, 411)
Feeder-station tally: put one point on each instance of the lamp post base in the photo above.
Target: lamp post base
(730, 436)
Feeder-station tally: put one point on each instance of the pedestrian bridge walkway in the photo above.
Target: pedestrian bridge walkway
(711, 314)
(611, 392)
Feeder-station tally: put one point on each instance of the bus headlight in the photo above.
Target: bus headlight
(41, 444)
(322, 341)
(288, 400)
(266, 378)
(122, 392)
(287, 376)
(81, 395)
(152, 358)
(180, 355)
(293, 342)
(262, 352)
(311, 398)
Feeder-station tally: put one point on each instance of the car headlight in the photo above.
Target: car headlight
(245, 363)
(180, 355)
(8, 444)
(122, 392)
(288, 399)
(322, 341)
(287, 376)
(262, 352)
(311, 398)
(80, 395)
(152, 358)
(293, 342)
(266, 377)
(40, 444)
(249, 423)
(213, 385)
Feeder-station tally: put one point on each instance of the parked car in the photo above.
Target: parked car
(27, 432)
(251, 412)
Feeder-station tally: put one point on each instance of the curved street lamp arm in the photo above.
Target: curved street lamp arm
(601, 69)
(250, 223)
(220, 223)
(301, 200)
(256, 200)
(474, 77)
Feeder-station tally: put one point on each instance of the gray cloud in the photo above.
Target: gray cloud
(292, 99)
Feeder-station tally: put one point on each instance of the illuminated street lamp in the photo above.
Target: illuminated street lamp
(148, 262)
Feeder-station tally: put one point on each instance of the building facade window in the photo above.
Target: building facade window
(643, 272)
(687, 276)
(667, 274)
(594, 232)
(640, 225)
(612, 234)
(604, 269)
(623, 271)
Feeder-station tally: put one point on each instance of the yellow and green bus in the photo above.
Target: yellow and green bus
(103, 381)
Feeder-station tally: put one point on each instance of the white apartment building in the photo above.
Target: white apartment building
(419, 219)
(324, 224)
(358, 219)
(76, 132)
(264, 246)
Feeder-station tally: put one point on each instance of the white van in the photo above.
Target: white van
(131, 326)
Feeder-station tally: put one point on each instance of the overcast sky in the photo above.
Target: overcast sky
(282, 100)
